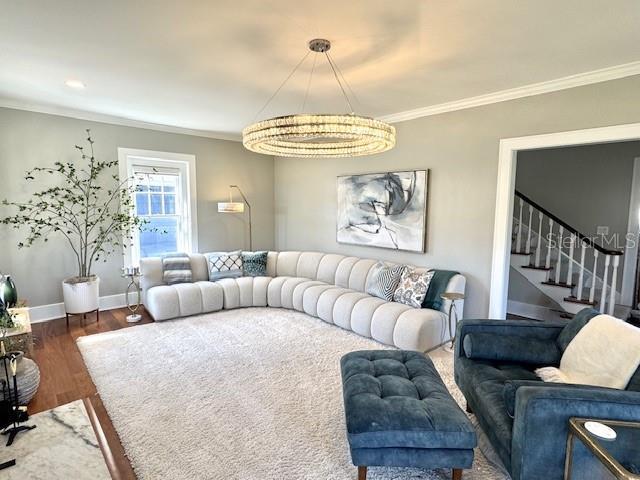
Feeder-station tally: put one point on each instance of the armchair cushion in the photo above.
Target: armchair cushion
(574, 326)
(510, 348)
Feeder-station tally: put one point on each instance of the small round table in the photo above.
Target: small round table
(452, 297)
(133, 274)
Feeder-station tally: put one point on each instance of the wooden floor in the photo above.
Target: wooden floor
(64, 377)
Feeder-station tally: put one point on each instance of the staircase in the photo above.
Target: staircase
(564, 264)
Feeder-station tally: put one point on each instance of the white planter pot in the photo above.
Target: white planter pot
(81, 297)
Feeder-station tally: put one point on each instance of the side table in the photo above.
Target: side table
(452, 297)
(590, 457)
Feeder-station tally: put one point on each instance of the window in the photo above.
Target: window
(164, 195)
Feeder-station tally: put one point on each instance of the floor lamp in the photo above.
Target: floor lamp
(237, 207)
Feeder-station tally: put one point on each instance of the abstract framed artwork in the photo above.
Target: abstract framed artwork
(386, 210)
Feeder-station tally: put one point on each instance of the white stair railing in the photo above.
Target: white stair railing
(565, 261)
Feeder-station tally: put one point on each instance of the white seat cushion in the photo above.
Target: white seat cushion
(260, 286)
(212, 296)
(310, 298)
(362, 314)
(288, 287)
(383, 322)
(231, 292)
(162, 302)
(298, 293)
(274, 291)
(343, 308)
(327, 300)
(420, 329)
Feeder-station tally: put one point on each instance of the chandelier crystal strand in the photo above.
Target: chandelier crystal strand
(319, 135)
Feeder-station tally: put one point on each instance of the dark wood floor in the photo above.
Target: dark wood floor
(64, 377)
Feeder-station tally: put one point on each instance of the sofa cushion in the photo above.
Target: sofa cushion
(412, 287)
(383, 281)
(572, 328)
(254, 264)
(396, 398)
(510, 348)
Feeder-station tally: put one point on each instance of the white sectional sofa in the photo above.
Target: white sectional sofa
(328, 286)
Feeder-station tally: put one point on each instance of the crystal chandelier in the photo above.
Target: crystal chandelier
(319, 135)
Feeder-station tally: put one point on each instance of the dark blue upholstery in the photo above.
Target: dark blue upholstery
(399, 412)
(532, 441)
(511, 348)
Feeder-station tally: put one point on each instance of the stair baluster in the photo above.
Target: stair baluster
(614, 280)
(519, 236)
(528, 247)
(547, 262)
(559, 261)
(592, 292)
(570, 266)
(539, 241)
(551, 269)
(605, 277)
(581, 274)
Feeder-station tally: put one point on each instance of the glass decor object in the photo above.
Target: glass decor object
(602, 449)
(8, 291)
(133, 274)
(315, 134)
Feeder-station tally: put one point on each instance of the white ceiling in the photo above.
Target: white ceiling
(210, 65)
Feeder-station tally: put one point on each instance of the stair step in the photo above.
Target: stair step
(551, 283)
(533, 267)
(573, 299)
(514, 252)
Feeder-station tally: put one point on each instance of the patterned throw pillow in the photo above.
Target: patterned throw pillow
(224, 265)
(384, 281)
(254, 264)
(413, 287)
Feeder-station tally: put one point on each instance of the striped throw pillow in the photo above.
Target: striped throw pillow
(384, 280)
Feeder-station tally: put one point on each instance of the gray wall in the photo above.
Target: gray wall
(32, 139)
(461, 150)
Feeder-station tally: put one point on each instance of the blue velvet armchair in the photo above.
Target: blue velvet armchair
(525, 419)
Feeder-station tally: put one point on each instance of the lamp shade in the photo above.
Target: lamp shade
(230, 207)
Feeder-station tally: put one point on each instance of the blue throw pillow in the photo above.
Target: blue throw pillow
(572, 328)
(254, 264)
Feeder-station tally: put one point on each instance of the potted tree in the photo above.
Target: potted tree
(87, 204)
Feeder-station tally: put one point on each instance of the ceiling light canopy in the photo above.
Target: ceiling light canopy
(73, 83)
(319, 135)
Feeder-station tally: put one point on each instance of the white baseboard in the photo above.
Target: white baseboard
(44, 313)
(528, 310)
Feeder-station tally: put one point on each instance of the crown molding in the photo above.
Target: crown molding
(16, 104)
(578, 80)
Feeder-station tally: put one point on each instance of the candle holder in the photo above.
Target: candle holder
(133, 274)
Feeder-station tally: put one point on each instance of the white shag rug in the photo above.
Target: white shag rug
(247, 394)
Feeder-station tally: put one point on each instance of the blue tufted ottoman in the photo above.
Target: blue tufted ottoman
(399, 413)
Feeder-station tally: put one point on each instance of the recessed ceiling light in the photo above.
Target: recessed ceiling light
(77, 84)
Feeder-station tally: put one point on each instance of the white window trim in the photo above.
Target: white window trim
(126, 159)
